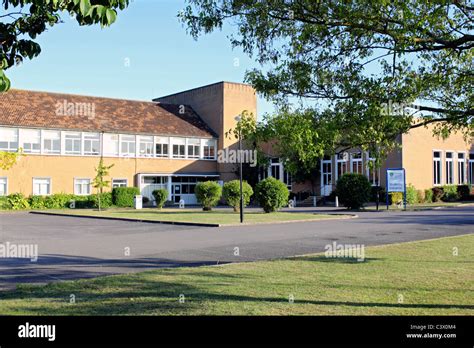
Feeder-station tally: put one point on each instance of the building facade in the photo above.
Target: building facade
(172, 142)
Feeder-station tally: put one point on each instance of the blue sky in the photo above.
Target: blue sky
(145, 54)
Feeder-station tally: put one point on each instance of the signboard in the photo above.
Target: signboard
(396, 180)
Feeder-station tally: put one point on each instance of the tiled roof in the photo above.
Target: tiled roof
(64, 111)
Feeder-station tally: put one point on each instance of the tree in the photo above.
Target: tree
(99, 181)
(24, 20)
(362, 71)
(9, 159)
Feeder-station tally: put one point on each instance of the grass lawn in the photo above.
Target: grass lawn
(218, 216)
(431, 280)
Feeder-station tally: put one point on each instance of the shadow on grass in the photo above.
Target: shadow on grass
(322, 258)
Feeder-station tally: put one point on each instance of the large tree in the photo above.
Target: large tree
(357, 72)
(21, 21)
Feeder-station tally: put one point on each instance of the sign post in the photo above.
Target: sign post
(396, 183)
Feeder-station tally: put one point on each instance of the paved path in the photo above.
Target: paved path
(72, 248)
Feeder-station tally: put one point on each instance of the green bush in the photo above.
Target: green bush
(4, 204)
(58, 201)
(105, 200)
(208, 194)
(429, 196)
(18, 201)
(420, 196)
(396, 198)
(124, 196)
(231, 193)
(411, 194)
(160, 195)
(450, 193)
(271, 194)
(464, 192)
(437, 194)
(353, 190)
(37, 202)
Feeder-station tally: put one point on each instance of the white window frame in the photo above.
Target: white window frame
(470, 168)
(81, 193)
(50, 184)
(161, 141)
(375, 171)
(77, 139)
(207, 144)
(5, 193)
(126, 139)
(46, 135)
(461, 167)
(89, 139)
(449, 167)
(179, 142)
(147, 142)
(120, 185)
(25, 138)
(11, 139)
(437, 179)
(193, 145)
(358, 161)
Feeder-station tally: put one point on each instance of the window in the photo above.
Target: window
(127, 145)
(194, 147)
(9, 139)
(341, 162)
(41, 186)
(373, 173)
(449, 168)
(91, 144)
(3, 186)
(471, 168)
(161, 147)
(73, 143)
(287, 179)
(179, 148)
(461, 168)
(209, 149)
(326, 171)
(110, 144)
(437, 167)
(356, 162)
(119, 183)
(275, 168)
(146, 146)
(31, 140)
(82, 187)
(52, 142)
(262, 173)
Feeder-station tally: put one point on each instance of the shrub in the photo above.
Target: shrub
(411, 194)
(464, 192)
(420, 196)
(231, 193)
(271, 194)
(80, 202)
(4, 204)
(124, 196)
(353, 190)
(208, 194)
(160, 196)
(429, 196)
(58, 201)
(105, 200)
(450, 193)
(395, 198)
(145, 200)
(37, 202)
(437, 194)
(18, 201)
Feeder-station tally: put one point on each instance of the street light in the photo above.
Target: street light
(238, 118)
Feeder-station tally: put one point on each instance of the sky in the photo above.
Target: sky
(145, 54)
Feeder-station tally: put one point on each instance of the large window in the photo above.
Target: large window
(146, 146)
(341, 163)
(209, 149)
(194, 147)
(179, 148)
(31, 140)
(449, 168)
(437, 167)
(356, 162)
(276, 168)
(161, 147)
(73, 143)
(471, 168)
(82, 187)
(461, 168)
(91, 144)
(127, 145)
(111, 144)
(41, 186)
(9, 139)
(373, 172)
(3, 186)
(52, 142)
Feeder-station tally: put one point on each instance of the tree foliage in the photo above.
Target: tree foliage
(99, 182)
(357, 73)
(9, 159)
(23, 20)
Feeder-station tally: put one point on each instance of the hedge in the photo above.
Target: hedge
(124, 196)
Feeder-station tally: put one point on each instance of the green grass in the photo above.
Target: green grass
(430, 278)
(220, 216)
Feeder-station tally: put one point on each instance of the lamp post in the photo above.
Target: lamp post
(238, 118)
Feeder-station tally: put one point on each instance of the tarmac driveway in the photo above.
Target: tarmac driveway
(71, 248)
